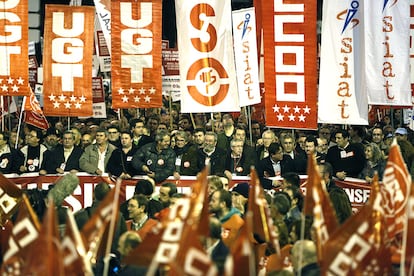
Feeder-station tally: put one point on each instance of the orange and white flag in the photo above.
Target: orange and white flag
(289, 33)
(395, 191)
(73, 250)
(207, 67)
(359, 246)
(33, 113)
(14, 50)
(319, 205)
(24, 233)
(10, 198)
(67, 60)
(407, 260)
(95, 232)
(50, 261)
(136, 53)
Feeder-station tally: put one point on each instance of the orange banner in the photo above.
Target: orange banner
(136, 54)
(67, 59)
(289, 33)
(14, 51)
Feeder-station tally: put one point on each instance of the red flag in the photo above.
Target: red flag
(319, 205)
(262, 222)
(50, 261)
(10, 197)
(24, 233)
(67, 60)
(358, 247)
(191, 258)
(162, 244)
(73, 250)
(407, 260)
(33, 113)
(241, 261)
(95, 231)
(136, 53)
(289, 40)
(14, 50)
(397, 182)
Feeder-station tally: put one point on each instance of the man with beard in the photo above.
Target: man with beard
(120, 162)
(186, 162)
(157, 159)
(64, 158)
(210, 154)
(33, 152)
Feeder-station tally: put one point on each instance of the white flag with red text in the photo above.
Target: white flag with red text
(387, 52)
(245, 52)
(207, 68)
(342, 97)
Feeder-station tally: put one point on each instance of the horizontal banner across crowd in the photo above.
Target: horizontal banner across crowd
(357, 190)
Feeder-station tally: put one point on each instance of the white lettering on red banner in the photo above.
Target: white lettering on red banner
(136, 42)
(67, 48)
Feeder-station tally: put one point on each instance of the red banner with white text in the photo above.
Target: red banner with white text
(14, 50)
(136, 54)
(289, 33)
(67, 59)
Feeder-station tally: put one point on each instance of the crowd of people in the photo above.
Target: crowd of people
(161, 146)
(153, 147)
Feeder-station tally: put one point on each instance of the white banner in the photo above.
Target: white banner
(103, 12)
(245, 52)
(342, 97)
(207, 70)
(387, 52)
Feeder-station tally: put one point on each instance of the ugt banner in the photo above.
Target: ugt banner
(136, 54)
(67, 59)
(14, 50)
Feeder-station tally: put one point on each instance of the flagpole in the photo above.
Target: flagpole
(112, 227)
(9, 113)
(249, 118)
(2, 112)
(20, 122)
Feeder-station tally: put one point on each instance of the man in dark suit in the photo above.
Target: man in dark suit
(276, 164)
(210, 154)
(64, 158)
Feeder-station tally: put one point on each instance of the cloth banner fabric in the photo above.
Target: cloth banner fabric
(387, 52)
(207, 68)
(136, 54)
(14, 50)
(342, 96)
(289, 33)
(67, 59)
(245, 52)
(103, 12)
(33, 114)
